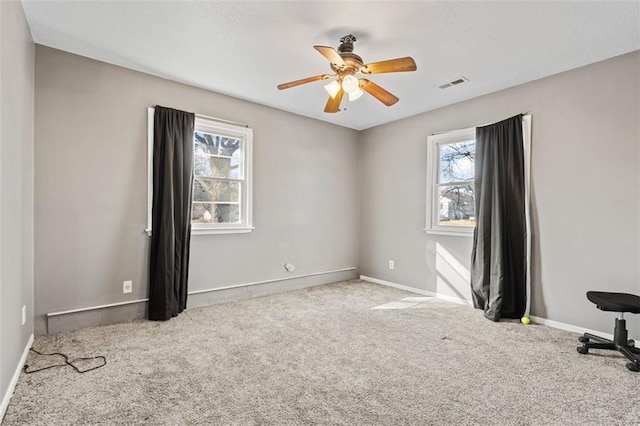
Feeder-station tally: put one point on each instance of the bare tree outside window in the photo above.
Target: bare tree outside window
(217, 186)
(455, 183)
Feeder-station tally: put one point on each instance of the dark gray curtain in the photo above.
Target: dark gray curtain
(171, 212)
(498, 258)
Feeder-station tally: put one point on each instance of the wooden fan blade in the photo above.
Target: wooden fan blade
(331, 54)
(303, 81)
(378, 92)
(333, 104)
(392, 65)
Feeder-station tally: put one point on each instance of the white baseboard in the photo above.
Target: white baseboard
(14, 380)
(73, 319)
(534, 319)
(568, 327)
(209, 290)
(417, 290)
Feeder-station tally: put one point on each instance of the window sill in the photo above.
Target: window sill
(211, 231)
(450, 232)
(215, 231)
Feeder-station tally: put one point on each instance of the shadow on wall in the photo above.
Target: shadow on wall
(448, 264)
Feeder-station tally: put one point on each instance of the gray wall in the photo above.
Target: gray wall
(586, 193)
(90, 187)
(16, 188)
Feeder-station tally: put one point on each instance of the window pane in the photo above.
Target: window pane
(217, 156)
(215, 213)
(457, 161)
(456, 205)
(214, 190)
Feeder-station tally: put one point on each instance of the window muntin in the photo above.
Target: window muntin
(456, 202)
(222, 178)
(218, 178)
(450, 187)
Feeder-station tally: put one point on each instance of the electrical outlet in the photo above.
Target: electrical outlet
(289, 267)
(24, 314)
(392, 264)
(127, 286)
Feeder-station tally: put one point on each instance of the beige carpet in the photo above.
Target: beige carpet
(326, 355)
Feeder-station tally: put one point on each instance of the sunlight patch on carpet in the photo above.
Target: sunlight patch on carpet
(406, 303)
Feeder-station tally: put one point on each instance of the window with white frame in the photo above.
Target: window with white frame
(222, 187)
(450, 186)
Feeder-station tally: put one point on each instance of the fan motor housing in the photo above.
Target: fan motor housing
(352, 64)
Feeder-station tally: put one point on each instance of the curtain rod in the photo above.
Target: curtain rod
(221, 120)
(449, 131)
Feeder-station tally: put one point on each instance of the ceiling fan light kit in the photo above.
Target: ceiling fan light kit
(346, 65)
(355, 94)
(350, 84)
(333, 88)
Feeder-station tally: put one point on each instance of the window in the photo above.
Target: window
(222, 187)
(450, 190)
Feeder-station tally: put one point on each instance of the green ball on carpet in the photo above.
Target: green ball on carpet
(525, 320)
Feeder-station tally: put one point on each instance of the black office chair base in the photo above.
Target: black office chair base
(620, 343)
(633, 367)
(586, 337)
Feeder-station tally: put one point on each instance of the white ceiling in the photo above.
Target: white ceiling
(246, 48)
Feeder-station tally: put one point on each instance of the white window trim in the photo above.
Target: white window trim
(150, 114)
(526, 140)
(433, 142)
(211, 125)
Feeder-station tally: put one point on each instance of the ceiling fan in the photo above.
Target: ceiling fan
(345, 65)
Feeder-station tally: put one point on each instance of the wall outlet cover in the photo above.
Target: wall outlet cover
(24, 314)
(127, 287)
(289, 267)
(392, 264)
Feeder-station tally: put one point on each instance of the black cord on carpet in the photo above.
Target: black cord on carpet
(66, 362)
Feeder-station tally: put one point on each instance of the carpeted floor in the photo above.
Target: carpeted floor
(345, 353)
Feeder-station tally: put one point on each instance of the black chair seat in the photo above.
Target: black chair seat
(615, 302)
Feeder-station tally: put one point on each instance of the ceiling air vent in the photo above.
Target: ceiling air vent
(455, 82)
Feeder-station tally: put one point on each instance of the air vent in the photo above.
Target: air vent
(455, 82)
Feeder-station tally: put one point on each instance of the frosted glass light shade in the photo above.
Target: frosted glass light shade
(350, 84)
(332, 88)
(355, 94)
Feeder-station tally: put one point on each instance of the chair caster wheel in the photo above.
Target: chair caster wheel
(582, 350)
(632, 366)
(583, 339)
